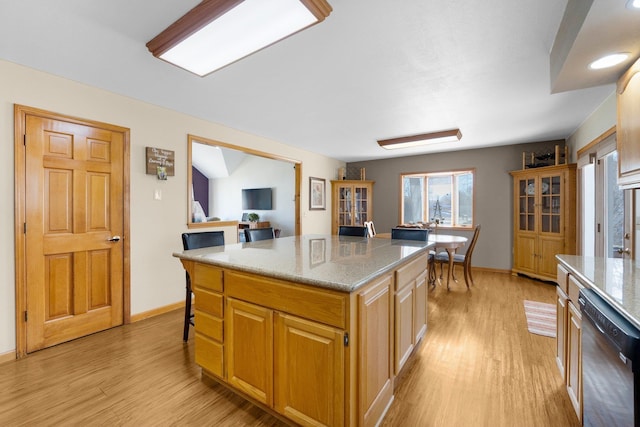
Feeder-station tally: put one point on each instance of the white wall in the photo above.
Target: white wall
(157, 279)
(602, 119)
(258, 172)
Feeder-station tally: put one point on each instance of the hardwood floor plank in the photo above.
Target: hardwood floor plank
(478, 365)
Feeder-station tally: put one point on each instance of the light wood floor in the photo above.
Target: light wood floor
(478, 366)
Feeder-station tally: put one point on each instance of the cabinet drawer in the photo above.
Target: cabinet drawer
(408, 273)
(574, 289)
(563, 279)
(209, 302)
(324, 306)
(207, 276)
(209, 325)
(209, 355)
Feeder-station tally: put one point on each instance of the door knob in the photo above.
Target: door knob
(114, 239)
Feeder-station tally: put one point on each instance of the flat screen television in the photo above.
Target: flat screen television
(256, 198)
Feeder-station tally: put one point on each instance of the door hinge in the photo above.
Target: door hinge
(24, 139)
(24, 228)
(346, 339)
(25, 316)
(598, 228)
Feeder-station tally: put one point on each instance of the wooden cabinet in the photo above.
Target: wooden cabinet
(207, 285)
(309, 353)
(628, 127)
(569, 336)
(375, 347)
(351, 203)
(544, 219)
(249, 346)
(410, 309)
(574, 359)
(562, 313)
(291, 364)
(315, 356)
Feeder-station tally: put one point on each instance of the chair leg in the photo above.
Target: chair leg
(467, 277)
(453, 273)
(470, 275)
(432, 272)
(187, 315)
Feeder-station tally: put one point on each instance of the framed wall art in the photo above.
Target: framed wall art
(317, 194)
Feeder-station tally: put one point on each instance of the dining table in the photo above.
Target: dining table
(449, 243)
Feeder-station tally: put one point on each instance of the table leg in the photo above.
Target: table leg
(450, 251)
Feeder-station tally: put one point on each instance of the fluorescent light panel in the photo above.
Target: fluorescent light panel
(452, 135)
(217, 33)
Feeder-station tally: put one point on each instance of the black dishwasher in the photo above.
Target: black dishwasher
(610, 364)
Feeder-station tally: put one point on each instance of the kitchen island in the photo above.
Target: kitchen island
(313, 328)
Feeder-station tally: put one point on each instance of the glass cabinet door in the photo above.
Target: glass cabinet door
(550, 200)
(361, 205)
(526, 209)
(344, 206)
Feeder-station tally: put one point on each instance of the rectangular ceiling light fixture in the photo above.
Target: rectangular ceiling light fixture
(452, 135)
(217, 33)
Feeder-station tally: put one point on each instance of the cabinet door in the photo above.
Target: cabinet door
(551, 200)
(345, 205)
(249, 349)
(525, 252)
(628, 128)
(420, 307)
(526, 203)
(361, 204)
(562, 312)
(548, 248)
(574, 357)
(309, 374)
(404, 325)
(375, 351)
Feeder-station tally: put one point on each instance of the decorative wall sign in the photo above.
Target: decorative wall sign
(160, 158)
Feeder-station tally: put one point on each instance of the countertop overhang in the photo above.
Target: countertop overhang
(342, 263)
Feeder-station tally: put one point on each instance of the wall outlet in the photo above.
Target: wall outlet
(157, 194)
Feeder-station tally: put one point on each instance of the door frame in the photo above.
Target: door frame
(20, 114)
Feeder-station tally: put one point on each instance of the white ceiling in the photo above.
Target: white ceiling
(374, 69)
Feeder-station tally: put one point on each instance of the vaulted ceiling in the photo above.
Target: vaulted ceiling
(374, 69)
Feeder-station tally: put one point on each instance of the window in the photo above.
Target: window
(443, 197)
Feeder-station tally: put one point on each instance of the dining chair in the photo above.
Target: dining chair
(256, 234)
(199, 240)
(353, 230)
(461, 259)
(419, 234)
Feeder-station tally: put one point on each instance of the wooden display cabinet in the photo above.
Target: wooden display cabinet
(351, 203)
(544, 219)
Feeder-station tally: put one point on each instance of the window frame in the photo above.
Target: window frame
(455, 199)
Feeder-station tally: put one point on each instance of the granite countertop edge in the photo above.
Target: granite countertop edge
(326, 284)
(600, 292)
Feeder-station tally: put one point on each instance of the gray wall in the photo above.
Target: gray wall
(493, 193)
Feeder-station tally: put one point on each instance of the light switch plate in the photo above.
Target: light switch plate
(157, 194)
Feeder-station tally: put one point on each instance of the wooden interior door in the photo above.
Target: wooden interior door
(73, 210)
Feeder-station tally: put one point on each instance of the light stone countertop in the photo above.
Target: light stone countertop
(336, 262)
(614, 279)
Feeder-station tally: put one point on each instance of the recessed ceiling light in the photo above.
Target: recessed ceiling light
(452, 135)
(633, 4)
(609, 60)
